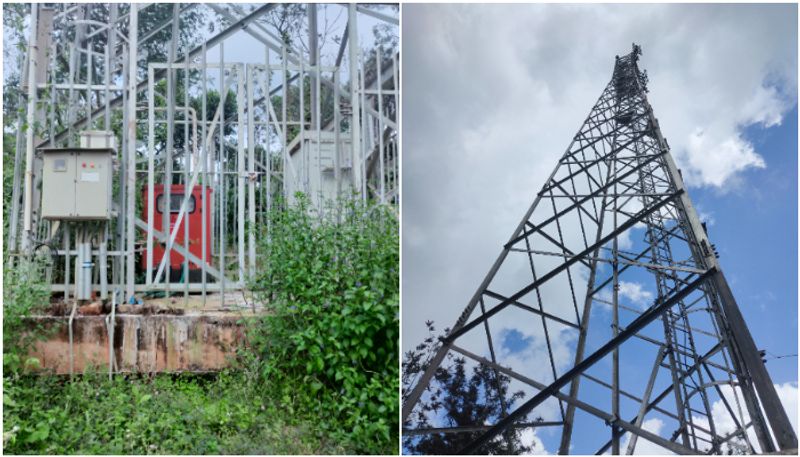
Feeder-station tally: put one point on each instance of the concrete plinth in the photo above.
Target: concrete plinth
(199, 340)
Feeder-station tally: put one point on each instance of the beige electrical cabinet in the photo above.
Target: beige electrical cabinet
(76, 183)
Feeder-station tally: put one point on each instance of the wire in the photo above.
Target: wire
(773, 356)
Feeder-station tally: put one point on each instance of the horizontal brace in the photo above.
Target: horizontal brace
(626, 262)
(635, 326)
(546, 277)
(597, 193)
(193, 287)
(95, 87)
(597, 412)
(474, 428)
(532, 309)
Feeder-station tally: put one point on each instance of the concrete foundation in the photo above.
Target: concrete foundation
(148, 339)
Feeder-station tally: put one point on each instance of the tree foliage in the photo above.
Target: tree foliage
(457, 396)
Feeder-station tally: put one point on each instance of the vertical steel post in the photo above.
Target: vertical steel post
(29, 148)
(222, 167)
(355, 100)
(337, 127)
(207, 207)
(133, 43)
(240, 168)
(268, 142)
(379, 81)
(313, 60)
(20, 146)
(167, 192)
(188, 162)
(251, 190)
(284, 134)
(151, 158)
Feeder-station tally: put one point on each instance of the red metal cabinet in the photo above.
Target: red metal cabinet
(198, 209)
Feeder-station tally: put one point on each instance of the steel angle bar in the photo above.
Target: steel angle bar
(554, 241)
(544, 278)
(636, 325)
(571, 207)
(660, 397)
(586, 407)
(376, 14)
(131, 147)
(161, 74)
(474, 428)
(623, 261)
(518, 304)
(183, 251)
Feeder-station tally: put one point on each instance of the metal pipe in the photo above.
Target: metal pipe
(166, 218)
(251, 195)
(381, 172)
(222, 164)
(20, 145)
(205, 203)
(240, 168)
(29, 151)
(131, 145)
(151, 158)
(355, 101)
(188, 162)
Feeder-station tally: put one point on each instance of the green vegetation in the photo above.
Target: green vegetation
(320, 373)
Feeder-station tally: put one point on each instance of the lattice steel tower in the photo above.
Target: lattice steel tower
(614, 216)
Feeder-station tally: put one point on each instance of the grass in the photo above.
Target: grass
(226, 413)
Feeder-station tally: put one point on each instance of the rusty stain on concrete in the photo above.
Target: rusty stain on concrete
(198, 342)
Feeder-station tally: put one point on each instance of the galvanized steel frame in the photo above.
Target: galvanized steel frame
(90, 100)
(618, 173)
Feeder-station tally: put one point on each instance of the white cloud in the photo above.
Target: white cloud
(787, 393)
(636, 293)
(643, 446)
(714, 160)
(528, 437)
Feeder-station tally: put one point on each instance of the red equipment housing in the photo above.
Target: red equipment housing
(198, 208)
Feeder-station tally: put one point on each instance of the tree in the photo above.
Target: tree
(457, 397)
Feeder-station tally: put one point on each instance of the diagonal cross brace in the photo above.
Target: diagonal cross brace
(499, 307)
(638, 324)
(183, 251)
(596, 193)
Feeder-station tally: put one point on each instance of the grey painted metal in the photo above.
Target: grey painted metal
(133, 35)
(101, 85)
(612, 344)
(27, 218)
(195, 52)
(355, 101)
(378, 15)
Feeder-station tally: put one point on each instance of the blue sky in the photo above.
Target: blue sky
(755, 230)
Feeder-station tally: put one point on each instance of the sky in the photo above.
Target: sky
(493, 94)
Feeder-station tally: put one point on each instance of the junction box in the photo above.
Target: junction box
(76, 183)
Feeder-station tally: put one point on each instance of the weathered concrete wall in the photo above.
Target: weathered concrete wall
(142, 343)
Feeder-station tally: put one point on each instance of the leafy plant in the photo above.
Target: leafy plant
(330, 341)
(23, 293)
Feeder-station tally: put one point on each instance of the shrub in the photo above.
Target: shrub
(331, 337)
(24, 292)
